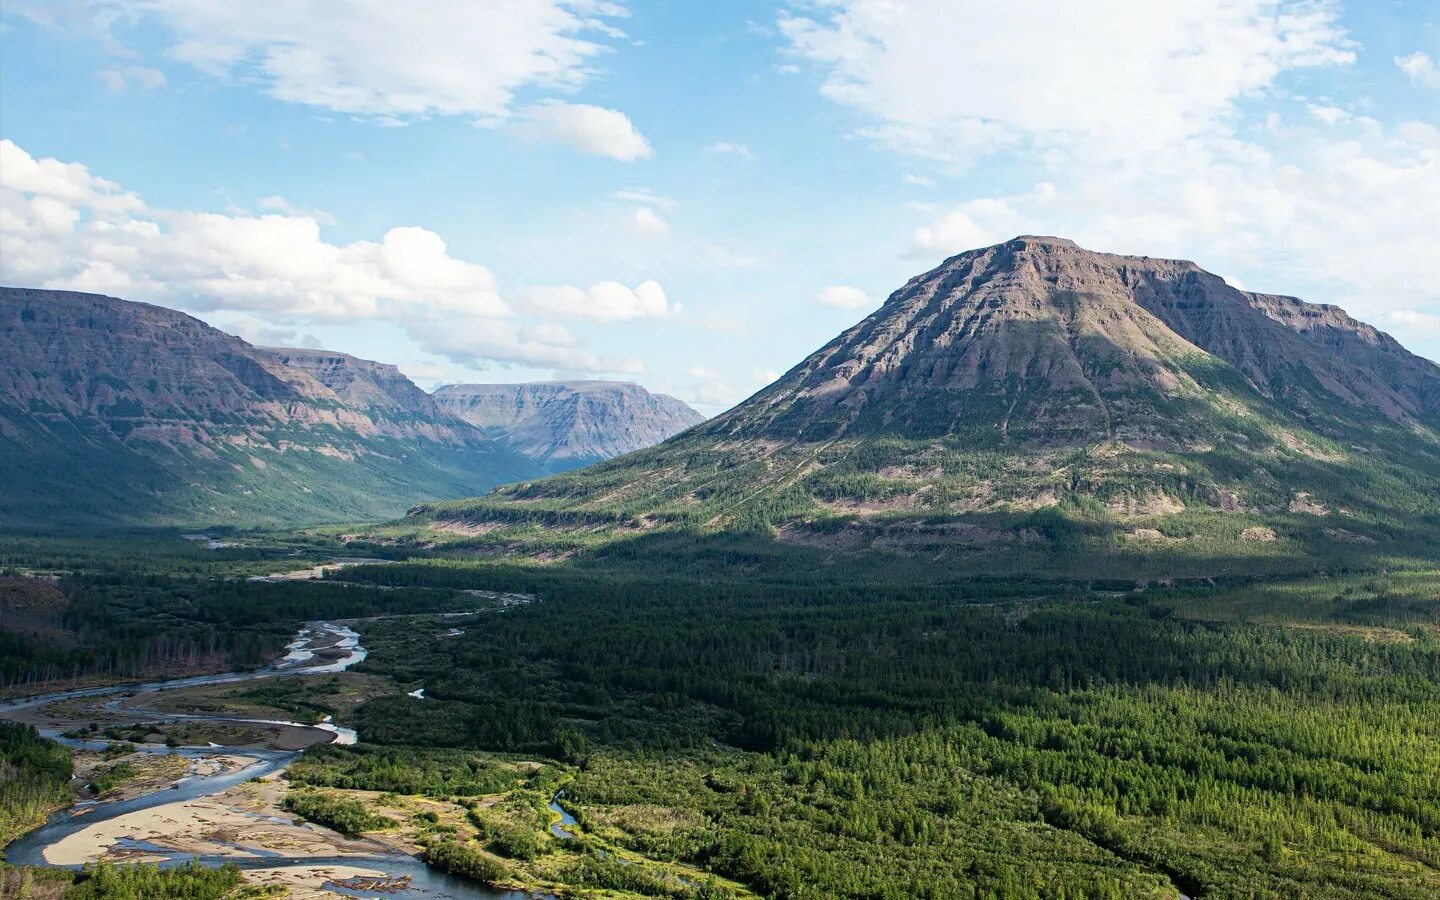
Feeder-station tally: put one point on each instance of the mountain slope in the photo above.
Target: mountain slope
(120, 411)
(1038, 397)
(567, 424)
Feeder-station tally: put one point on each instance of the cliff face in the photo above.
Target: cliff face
(563, 424)
(394, 404)
(118, 410)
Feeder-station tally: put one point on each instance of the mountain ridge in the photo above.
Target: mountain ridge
(112, 410)
(1030, 390)
(569, 423)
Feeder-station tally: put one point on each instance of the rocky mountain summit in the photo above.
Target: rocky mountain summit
(1038, 341)
(564, 424)
(1031, 389)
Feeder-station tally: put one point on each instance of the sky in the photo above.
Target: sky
(695, 195)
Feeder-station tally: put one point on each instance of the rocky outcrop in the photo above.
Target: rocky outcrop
(394, 404)
(564, 424)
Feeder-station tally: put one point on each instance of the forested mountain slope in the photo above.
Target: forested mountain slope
(126, 412)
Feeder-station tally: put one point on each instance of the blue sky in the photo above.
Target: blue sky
(695, 195)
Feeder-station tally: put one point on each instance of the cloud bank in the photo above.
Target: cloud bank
(66, 228)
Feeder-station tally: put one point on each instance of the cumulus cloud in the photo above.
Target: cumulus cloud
(1421, 69)
(280, 204)
(608, 301)
(391, 63)
(65, 228)
(590, 129)
(842, 296)
(1140, 135)
(1120, 77)
(379, 58)
(648, 223)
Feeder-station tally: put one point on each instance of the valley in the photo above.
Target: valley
(833, 731)
(1052, 577)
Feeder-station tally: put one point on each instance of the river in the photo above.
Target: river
(319, 648)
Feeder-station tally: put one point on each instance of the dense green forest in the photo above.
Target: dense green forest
(104, 618)
(34, 779)
(979, 738)
(827, 730)
(189, 881)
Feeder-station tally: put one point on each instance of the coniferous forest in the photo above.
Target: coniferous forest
(805, 731)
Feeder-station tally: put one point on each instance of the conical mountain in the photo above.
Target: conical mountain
(1032, 382)
(1038, 341)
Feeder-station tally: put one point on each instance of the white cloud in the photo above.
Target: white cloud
(380, 58)
(1410, 321)
(70, 183)
(118, 80)
(1119, 77)
(1141, 133)
(64, 228)
(1350, 221)
(844, 297)
(590, 129)
(648, 223)
(1421, 69)
(608, 301)
(712, 392)
(727, 148)
(280, 204)
(265, 334)
(644, 195)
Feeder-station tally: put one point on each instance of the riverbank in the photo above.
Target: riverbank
(244, 821)
(215, 793)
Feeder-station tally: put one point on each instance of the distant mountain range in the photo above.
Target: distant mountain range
(567, 424)
(126, 412)
(1033, 394)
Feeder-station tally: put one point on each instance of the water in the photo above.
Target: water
(29, 849)
(425, 883)
(558, 828)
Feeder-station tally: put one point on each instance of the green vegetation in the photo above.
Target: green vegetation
(118, 624)
(80, 473)
(31, 883)
(34, 779)
(462, 859)
(1275, 495)
(106, 778)
(190, 881)
(418, 771)
(968, 738)
(345, 816)
(727, 714)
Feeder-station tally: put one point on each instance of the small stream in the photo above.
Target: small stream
(315, 638)
(561, 829)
